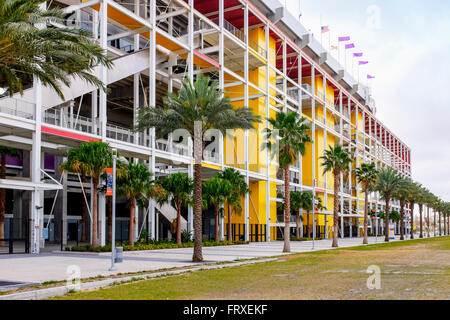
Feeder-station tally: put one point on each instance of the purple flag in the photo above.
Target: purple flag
(341, 39)
(349, 46)
(363, 62)
(358, 54)
(370, 77)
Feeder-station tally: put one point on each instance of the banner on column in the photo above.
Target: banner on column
(109, 182)
(391, 231)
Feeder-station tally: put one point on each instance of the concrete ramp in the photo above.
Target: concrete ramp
(171, 214)
(124, 66)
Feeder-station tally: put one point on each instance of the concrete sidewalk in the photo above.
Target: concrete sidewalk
(54, 266)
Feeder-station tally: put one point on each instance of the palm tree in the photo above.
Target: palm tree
(336, 160)
(197, 108)
(402, 194)
(215, 192)
(439, 206)
(240, 189)
(421, 200)
(291, 135)
(431, 199)
(307, 205)
(74, 166)
(388, 180)
(133, 181)
(395, 216)
(413, 195)
(366, 175)
(296, 205)
(53, 55)
(4, 152)
(179, 187)
(92, 157)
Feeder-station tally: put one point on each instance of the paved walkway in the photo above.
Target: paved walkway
(54, 266)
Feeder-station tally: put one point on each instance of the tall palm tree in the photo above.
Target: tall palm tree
(439, 206)
(431, 199)
(337, 161)
(197, 108)
(4, 152)
(53, 55)
(133, 181)
(388, 180)
(233, 201)
(412, 196)
(215, 192)
(92, 157)
(402, 194)
(446, 218)
(291, 135)
(366, 175)
(179, 187)
(421, 200)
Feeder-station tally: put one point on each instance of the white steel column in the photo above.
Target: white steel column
(153, 218)
(36, 205)
(267, 105)
(247, 168)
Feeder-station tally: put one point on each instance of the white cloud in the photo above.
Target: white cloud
(409, 57)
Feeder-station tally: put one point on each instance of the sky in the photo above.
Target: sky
(407, 44)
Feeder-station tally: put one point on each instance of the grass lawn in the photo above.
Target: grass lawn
(418, 269)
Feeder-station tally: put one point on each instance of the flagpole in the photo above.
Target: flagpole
(321, 32)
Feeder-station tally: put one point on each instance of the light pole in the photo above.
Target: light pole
(314, 212)
(113, 222)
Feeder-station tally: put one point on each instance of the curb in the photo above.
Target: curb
(62, 290)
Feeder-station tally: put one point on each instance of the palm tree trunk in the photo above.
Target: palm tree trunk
(421, 224)
(366, 219)
(297, 229)
(110, 204)
(230, 236)
(402, 209)
(131, 224)
(216, 224)
(434, 224)
(198, 153)
(440, 220)
(94, 240)
(287, 211)
(412, 219)
(336, 175)
(386, 222)
(2, 201)
(197, 257)
(83, 213)
(308, 227)
(179, 222)
(428, 221)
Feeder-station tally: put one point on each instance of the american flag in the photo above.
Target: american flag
(325, 29)
(334, 47)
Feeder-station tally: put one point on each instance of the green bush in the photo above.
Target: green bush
(162, 244)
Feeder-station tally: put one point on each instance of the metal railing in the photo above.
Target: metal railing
(59, 118)
(241, 36)
(16, 107)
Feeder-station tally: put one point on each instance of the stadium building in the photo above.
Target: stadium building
(263, 58)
